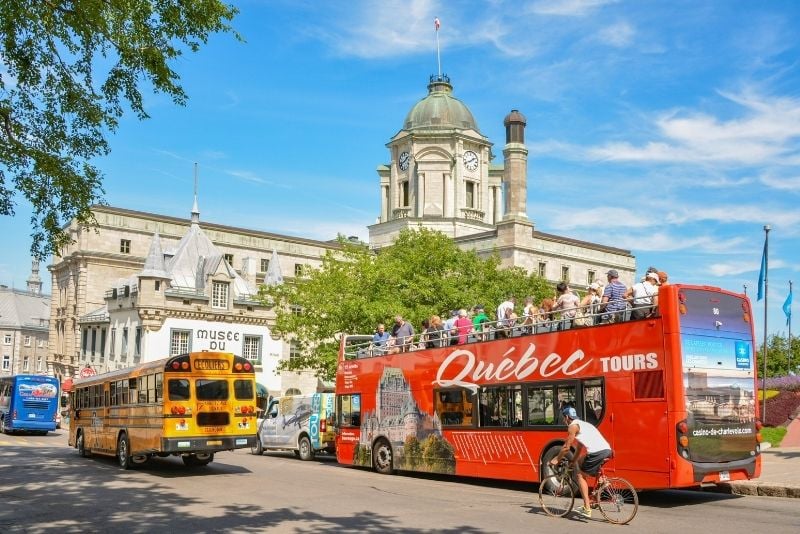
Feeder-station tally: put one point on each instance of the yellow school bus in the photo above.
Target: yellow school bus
(191, 405)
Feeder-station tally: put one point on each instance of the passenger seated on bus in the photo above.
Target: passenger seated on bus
(435, 333)
(589, 414)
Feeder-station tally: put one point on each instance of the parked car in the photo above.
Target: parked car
(300, 423)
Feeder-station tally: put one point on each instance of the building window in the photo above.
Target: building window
(565, 273)
(298, 269)
(7, 339)
(219, 295)
(94, 340)
(39, 364)
(403, 194)
(158, 285)
(252, 348)
(179, 342)
(41, 343)
(137, 346)
(542, 269)
(6, 362)
(102, 342)
(228, 258)
(264, 265)
(296, 310)
(112, 348)
(294, 350)
(470, 194)
(124, 351)
(25, 364)
(27, 341)
(125, 246)
(85, 343)
(591, 277)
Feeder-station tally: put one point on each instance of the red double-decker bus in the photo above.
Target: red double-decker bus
(674, 394)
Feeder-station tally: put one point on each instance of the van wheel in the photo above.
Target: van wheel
(258, 448)
(123, 451)
(382, 457)
(80, 444)
(305, 450)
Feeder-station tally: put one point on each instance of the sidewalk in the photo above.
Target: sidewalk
(780, 470)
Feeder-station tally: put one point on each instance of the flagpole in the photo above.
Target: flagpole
(789, 322)
(766, 298)
(438, 55)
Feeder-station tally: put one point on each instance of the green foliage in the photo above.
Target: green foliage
(69, 69)
(412, 453)
(778, 361)
(773, 435)
(422, 274)
(438, 455)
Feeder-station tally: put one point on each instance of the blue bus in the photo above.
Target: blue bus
(28, 403)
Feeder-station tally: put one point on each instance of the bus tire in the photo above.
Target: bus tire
(198, 460)
(258, 448)
(305, 449)
(124, 451)
(382, 457)
(80, 444)
(545, 470)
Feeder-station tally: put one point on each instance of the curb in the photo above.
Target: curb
(756, 489)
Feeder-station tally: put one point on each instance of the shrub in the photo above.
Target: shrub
(784, 383)
(781, 407)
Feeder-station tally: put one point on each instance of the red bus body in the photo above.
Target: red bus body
(673, 394)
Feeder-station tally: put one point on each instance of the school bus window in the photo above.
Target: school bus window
(122, 392)
(455, 407)
(243, 389)
(178, 389)
(159, 387)
(106, 399)
(540, 406)
(211, 389)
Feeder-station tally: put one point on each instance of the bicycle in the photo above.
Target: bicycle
(615, 497)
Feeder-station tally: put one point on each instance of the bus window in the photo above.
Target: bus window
(454, 407)
(593, 400)
(159, 387)
(350, 409)
(243, 389)
(178, 389)
(501, 406)
(211, 389)
(133, 391)
(540, 406)
(566, 397)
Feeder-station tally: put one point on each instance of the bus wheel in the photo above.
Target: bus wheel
(140, 459)
(198, 460)
(123, 451)
(382, 457)
(80, 444)
(305, 449)
(258, 448)
(545, 469)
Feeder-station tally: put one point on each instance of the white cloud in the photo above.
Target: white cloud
(605, 217)
(736, 213)
(250, 176)
(740, 267)
(782, 184)
(619, 35)
(568, 8)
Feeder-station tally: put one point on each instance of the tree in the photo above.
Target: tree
(422, 274)
(778, 363)
(68, 68)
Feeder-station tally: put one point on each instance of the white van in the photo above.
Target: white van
(300, 423)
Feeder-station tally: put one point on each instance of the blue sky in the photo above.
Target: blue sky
(668, 128)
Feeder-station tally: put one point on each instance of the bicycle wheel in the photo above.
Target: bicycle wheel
(618, 501)
(556, 495)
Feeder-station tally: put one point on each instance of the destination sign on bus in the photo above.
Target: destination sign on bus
(211, 365)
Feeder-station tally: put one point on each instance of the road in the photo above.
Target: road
(46, 487)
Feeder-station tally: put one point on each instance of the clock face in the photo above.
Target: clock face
(403, 160)
(470, 160)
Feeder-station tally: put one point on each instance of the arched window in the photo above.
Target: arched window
(293, 391)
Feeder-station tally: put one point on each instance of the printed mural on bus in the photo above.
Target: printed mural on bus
(718, 369)
(40, 390)
(415, 435)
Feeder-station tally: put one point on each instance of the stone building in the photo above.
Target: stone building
(143, 286)
(443, 176)
(24, 327)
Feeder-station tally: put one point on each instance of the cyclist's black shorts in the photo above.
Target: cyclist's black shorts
(592, 462)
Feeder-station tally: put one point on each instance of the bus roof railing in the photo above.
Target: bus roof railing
(359, 346)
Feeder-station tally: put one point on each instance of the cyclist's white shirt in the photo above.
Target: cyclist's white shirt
(590, 437)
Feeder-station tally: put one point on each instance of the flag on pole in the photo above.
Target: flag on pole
(763, 272)
(436, 24)
(787, 307)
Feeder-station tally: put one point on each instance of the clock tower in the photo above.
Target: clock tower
(440, 174)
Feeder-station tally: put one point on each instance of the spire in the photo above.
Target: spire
(35, 281)
(195, 209)
(154, 264)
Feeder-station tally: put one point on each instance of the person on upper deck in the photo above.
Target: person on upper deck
(478, 322)
(644, 296)
(503, 317)
(613, 302)
(463, 326)
(404, 333)
(568, 303)
(381, 336)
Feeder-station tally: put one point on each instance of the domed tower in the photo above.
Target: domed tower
(440, 176)
(515, 169)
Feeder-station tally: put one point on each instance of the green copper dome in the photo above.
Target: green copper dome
(440, 109)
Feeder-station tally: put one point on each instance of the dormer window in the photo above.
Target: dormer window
(219, 295)
(229, 259)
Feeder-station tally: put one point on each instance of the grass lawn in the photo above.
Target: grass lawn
(773, 435)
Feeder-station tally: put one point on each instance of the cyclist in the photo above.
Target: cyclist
(591, 449)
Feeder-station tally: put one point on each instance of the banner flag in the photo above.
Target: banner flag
(763, 272)
(787, 307)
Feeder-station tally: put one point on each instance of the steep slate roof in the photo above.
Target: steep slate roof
(154, 265)
(21, 309)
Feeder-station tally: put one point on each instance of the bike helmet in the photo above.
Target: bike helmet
(570, 412)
